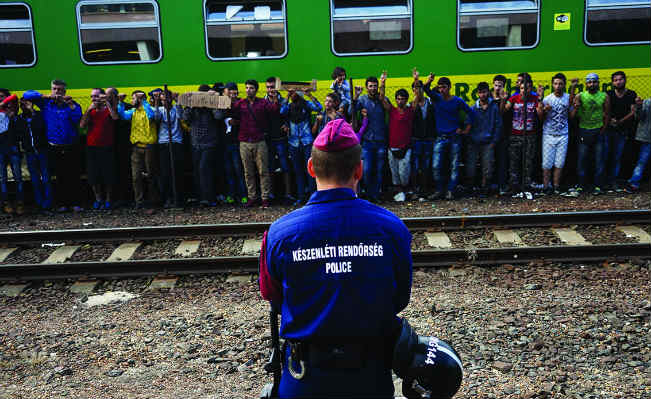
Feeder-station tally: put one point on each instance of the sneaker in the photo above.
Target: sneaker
(611, 188)
(528, 195)
(422, 199)
(435, 196)
(549, 190)
(250, 203)
(573, 192)
(244, 200)
(557, 191)
(518, 195)
(77, 209)
(265, 204)
(449, 196)
(596, 191)
(8, 208)
(229, 200)
(618, 189)
(400, 197)
(504, 191)
(62, 209)
(107, 206)
(97, 205)
(631, 189)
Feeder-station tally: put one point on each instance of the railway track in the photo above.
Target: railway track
(441, 257)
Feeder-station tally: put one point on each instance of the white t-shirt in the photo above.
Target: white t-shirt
(556, 120)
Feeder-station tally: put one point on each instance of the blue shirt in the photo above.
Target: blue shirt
(301, 132)
(487, 127)
(377, 127)
(160, 115)
(343, 265)
(343, 90)
(447, 111)
(61, 122)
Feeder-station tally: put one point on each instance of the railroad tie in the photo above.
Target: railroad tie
(62, 254)
(251, 247)
(507, 237)
(12, 290)
(438, 240)
(5, 252)
(633, 231)
(187, 248)
(570, 236)
(124, 251)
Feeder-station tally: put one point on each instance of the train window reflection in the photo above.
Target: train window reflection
(17, 47)
(612, 22)
(119, 32)
(361, 27)
(492, 25)
(245, 29)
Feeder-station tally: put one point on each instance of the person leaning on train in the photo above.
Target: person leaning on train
(339, 270)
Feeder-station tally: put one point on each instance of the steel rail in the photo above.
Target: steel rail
(444, 223)
(249, 264)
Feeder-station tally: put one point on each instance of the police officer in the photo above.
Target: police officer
(339, 269)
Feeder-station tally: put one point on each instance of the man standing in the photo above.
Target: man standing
(485, 133)
(254, 114)
(374, 142)
(401, 121)
(592, 107)
(277, 140)
(100, 120)
(339, 261)
(556, 108)
(236, 191)
(143, 152)
(62, 116)
(522, 146)
(642, 111)
(620, 128)
(450, 130)
(422, 144)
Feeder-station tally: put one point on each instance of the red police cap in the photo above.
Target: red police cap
(336, 136)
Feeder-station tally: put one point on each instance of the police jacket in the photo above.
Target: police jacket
(338, 267)
(424, 127)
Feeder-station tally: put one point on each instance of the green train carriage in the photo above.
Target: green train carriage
(148, 43)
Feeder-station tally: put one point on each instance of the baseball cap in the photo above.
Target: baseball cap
(336, 136)
(591, 76)
(231, 86)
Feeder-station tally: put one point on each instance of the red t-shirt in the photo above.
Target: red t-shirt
(100, 129)
(524, 121)
(400, 127)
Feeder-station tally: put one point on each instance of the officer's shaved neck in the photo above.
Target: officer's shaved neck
(323, 183)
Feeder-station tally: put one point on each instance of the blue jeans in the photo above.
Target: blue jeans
(305, 183)
(446, 148)
(421, 156)
(613, 150)
(373, 153)
(642, 161)
(9, 156)
(591, 142)
(278, 149)
(37, 164)
(234, 172)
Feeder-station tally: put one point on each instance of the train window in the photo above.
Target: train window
(497, 25)
(119, 32)
(245, 29)
(371, 27)
(17, 47)
(611, 22)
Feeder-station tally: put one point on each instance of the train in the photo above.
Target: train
(149, 43)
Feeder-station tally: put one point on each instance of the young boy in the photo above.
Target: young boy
(485, 134)
(556, 108)
(401, 121)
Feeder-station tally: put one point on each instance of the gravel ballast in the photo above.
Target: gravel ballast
(578, 331)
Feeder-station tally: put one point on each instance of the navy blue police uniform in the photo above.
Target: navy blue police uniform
(339, 269)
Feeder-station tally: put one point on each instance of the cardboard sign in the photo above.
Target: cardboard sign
(299, 86)
(204, 100)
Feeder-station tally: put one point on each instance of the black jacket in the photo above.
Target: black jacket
(424, 129)
(32, 134)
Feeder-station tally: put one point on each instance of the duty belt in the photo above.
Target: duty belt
(340, 354)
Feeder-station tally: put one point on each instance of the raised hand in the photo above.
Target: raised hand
(383, 78)
(358, 91)
(639, 100)
(364, 113)
(415, 74)
(319, 118)
(541, 90)
(430, 78)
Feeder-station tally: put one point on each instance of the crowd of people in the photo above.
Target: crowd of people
(256, 152)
